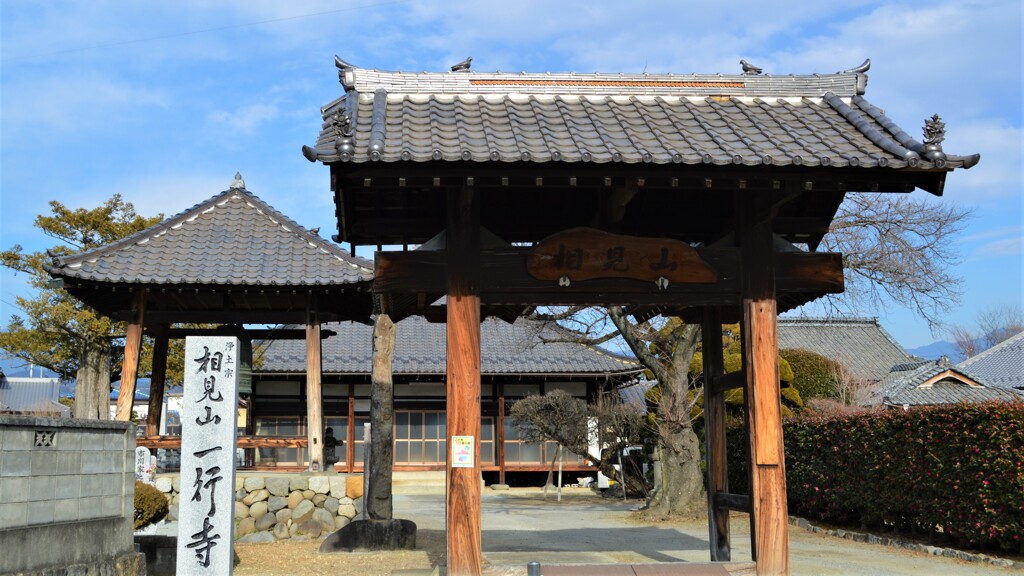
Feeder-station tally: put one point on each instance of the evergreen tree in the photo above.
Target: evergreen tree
(56, 330)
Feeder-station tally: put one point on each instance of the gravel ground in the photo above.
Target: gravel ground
(520, 526)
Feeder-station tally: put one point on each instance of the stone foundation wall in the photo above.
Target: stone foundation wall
(279, 507)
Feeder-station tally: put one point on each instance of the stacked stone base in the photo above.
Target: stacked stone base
(133, 564)
(281, 507)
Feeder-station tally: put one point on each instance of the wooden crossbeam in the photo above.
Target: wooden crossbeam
(726, 382)
(255, 334)
(504, 279)
(727, 501)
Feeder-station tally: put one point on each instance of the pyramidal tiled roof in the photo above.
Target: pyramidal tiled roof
(420, 348)
(1001, 365)
(860, 344)
(811, 120)
(915, 384)
(234, 238)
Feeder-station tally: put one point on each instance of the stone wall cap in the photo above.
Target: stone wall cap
(50, 422)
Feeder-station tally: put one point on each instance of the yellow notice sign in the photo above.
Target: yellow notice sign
(462, 451)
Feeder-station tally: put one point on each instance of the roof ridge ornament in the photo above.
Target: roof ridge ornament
(862, 68)
(346, 73)
(749, 69)
(238, 183)
(464, 65)
(934, 134)
(862, 77)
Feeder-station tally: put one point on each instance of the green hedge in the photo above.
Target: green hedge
(954, 469)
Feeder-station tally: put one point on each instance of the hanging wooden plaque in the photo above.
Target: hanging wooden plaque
(586, 254)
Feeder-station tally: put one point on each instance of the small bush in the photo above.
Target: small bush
(150, 505)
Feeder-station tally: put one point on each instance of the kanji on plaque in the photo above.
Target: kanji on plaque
(206, 519)
(587, 254)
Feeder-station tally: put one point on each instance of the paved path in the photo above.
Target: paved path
(519, 526)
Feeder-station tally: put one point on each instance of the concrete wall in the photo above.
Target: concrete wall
(67, 490)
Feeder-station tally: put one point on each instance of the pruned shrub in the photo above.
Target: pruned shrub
(814, 375)
(150, 505)
(957, 470)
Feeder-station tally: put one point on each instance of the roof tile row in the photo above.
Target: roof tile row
(721, 120)
(233, 238)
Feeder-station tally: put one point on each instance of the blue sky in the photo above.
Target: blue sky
(164, 102)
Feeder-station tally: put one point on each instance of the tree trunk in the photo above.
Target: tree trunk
(92, 382)
(682, 491)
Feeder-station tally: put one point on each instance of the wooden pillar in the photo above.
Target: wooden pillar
(157, 380)
(130, 364)
(350, 435)
(500, 433)
(382, 421)
(769, 529)
(314, 394)
(714, 435)
(465, 555)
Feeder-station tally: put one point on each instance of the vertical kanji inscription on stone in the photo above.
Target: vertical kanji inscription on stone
(206, 513)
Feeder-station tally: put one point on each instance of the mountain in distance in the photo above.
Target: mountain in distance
(936, 350)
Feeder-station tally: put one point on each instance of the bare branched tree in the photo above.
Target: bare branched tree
(901, 248)
(993, 325)
(568, 421)
(850, 390)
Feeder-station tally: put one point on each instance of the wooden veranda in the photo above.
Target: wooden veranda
(671, 177)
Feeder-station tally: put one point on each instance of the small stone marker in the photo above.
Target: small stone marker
(209, 417)
(144, 470)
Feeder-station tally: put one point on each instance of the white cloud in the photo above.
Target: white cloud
(998, 174)
(997, 249)
(246, 119)
(74, 103)
(995, 233)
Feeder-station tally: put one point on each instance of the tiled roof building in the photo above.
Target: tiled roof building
(420, 349)
(860, 344)
(231, 259)
(233, 238)
(930, 382)
(1001, 365)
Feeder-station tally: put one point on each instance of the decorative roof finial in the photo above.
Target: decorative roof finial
(934, 131)
(54, 257)
(346, 73)
(749, 69)
(934, 134)
(864, 67)
(464, 65)
(238, 183)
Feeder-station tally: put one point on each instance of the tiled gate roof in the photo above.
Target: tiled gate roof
(811, 120)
